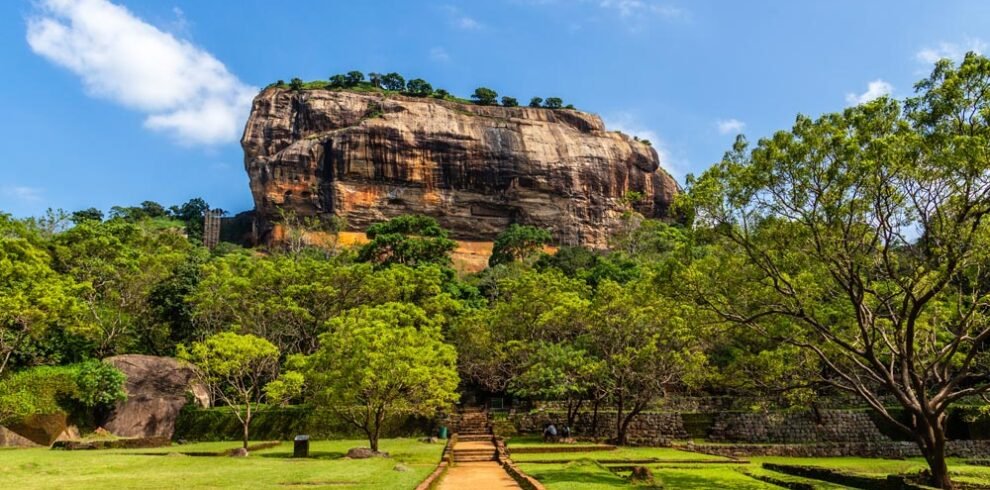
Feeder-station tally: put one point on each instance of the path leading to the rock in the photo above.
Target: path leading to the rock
(475, 469)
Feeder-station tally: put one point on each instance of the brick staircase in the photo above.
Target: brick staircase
(474, 437)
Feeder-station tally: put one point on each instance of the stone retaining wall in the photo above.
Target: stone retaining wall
(889, 449)
(796, 427)
(646, 429)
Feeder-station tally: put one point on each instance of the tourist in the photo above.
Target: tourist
(550, 433)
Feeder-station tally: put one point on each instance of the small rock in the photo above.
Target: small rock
(239, 453)
(401, 468)
(364, 453)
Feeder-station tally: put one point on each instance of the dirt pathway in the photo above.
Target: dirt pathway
(473, 472)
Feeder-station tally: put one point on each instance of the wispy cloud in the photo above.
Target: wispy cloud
(460, 20)
(438, 54)
(730, 126)
(952, 51)
(641, 8)
(21, 193)
(874, 90)
(181, 88)
(628, 123)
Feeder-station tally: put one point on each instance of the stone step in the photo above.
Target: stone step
(472, 459)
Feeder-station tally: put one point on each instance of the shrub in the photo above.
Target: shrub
(296, 84)
(553, 103)
(536, 102)
(484, 96)
(510, 102)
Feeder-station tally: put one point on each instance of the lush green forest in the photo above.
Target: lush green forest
(847, 254)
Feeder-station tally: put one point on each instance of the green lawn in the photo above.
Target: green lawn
(167, 468)
(682, 470)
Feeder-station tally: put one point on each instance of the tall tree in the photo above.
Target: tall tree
(378, 361)
(236, 368)
(393, 81)
(866, 233)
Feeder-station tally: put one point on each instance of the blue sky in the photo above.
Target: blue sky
(115, 103)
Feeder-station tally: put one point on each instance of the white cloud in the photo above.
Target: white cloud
(953, 51)
(21, 193)
(183, 90)
(874, 90)
(730, 126)
(439, 54)
(637, 8)
(628, 123)
(462, 21)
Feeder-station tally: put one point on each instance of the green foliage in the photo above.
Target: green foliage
(441, 93)
(383, 359)
(536, 102)
(33, 296)
(287, 387)
(393, 81)
(49, 390)
(418, 87)
(510, 101)
(484, 96)
(236, 367)
(296, 84)
(518, 242)
(409, 240)
(553, 103)
(353, 78)
(88, 214)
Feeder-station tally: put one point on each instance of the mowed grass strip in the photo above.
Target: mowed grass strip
(269, 468)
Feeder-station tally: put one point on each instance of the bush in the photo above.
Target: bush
(49, 390)
(553, 103)
(484, 96)
(296, 84)
(536, 102)
(284, 423)
(510, 102)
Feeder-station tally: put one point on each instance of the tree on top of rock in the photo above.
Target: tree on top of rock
(553, 103)
(536, 102)
(419, 87)
(484, 96)
(393, 81)
(410, 240)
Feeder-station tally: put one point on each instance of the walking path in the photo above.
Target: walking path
(475, 468)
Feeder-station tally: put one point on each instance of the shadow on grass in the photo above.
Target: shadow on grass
(323, 455)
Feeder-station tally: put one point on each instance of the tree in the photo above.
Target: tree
(484, 96)
(383, 360)
(647, 344)
(419, 87)
(122, 262)
(553, 103)
(536, 102)
(375, 79)
(191, 213)
(410, 240)
(559, 372)
(337, 81)
(510, 101)
(862, 237)
(393, 81)
(353, 78)
(517, 242)
(89, 214)
(296, 84)
(441, 94)
(33, 296)
(235, 367)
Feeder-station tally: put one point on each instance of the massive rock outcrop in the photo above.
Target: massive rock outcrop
(367, 157)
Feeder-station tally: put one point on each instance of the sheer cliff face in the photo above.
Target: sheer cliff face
(476, 169)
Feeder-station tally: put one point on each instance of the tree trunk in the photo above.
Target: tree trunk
(931, 440)
(594, 417)
(624, 425)
(620, 434)
(376, 430)
(573, 407)
(247, 425)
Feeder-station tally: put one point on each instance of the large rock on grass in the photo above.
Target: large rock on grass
(157, 390)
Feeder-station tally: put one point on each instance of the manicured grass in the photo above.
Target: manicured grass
(582, 471)
(167, 468)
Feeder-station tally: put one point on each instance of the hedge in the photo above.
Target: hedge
(284, 423)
